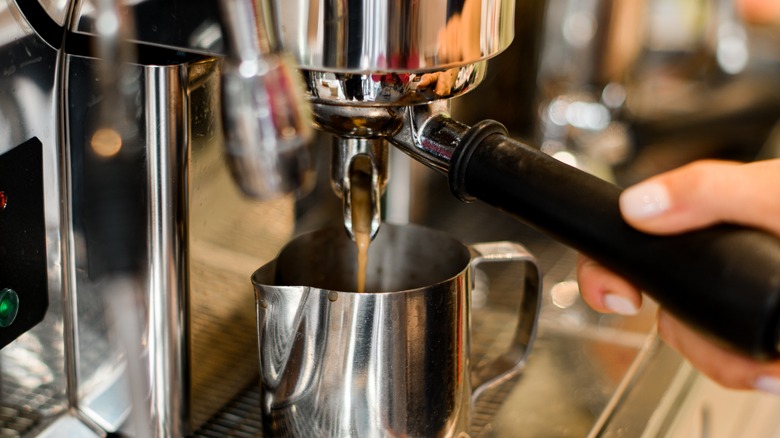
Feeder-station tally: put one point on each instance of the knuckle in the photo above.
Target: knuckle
(699, 176)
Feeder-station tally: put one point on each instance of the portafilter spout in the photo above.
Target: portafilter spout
(359, 177)
(360, 164)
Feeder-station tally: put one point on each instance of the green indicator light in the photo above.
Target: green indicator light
(9, 307)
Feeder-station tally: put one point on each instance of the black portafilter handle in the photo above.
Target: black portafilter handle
(723, 280)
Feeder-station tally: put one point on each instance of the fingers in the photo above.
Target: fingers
(721, 365)
(446, 82)
(604, 291)
(705, 193)
(696, 196)
(449, 40)
(428, 79)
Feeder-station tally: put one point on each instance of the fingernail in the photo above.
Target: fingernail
(768, 384)
(620, 305)
(644, 200)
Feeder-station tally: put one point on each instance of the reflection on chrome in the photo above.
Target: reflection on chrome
(392, 36)
(381, 88)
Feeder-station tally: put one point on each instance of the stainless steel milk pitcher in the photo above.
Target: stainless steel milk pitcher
(392, 361)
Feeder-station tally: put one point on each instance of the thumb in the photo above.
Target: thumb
(705, 193)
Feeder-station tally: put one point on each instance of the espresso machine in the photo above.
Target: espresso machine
(152, 154)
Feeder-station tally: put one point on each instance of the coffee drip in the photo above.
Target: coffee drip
(361, 208)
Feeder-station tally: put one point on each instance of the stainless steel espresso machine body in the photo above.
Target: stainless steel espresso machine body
(149, 242)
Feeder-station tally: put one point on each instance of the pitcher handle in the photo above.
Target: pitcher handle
(512, 361)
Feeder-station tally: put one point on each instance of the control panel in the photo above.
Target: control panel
(23, 268)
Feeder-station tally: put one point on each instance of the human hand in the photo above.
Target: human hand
(694, 196)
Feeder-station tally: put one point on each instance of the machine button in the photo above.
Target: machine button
(9, 307)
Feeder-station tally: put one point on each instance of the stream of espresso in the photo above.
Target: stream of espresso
(361, 206)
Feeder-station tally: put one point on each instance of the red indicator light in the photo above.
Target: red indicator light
(3, 200)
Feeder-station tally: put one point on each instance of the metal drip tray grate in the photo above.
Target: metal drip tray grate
(240, 418)
(16, 421)
(32, 384)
